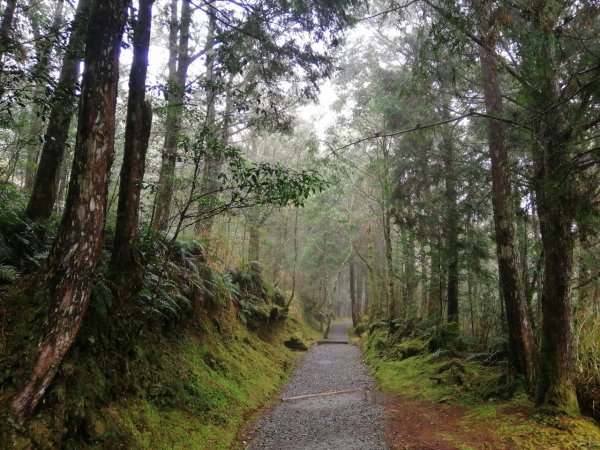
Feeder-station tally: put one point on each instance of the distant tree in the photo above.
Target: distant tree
(179, 62)
(6, 24)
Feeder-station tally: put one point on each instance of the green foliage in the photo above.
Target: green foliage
(23, 243)
(102, 298)
(360, 328)
(161, 298)
(8, 274)
(242, 183)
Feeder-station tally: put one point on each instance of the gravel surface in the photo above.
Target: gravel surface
(344, 421)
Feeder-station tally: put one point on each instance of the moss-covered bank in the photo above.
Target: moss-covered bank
(416, 365)
(182, 364)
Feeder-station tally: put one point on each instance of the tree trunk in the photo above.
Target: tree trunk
(179, 61)
(254, 243)
(353, 293)
(214, 160)
(555, 193)
(8, 16)
(125, 259)
(451, 228)
(43, 49)
(43, 195)
(77, 247)
(522, 346)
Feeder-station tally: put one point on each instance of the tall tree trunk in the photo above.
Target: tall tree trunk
(555, 192)
(289, 302)
(124, 259)
(451, 228)
(8, 16)
(77, 247)
(177, 79)
(522, 346)
(353, 293)
(423, 279)
(214, 160)
(43, 195)
(389, 265)
(43, 49)
(436, 282)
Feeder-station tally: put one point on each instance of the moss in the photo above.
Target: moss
(410, 347)
(128, 384)
(493, 401)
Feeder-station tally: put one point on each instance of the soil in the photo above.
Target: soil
(414, 424)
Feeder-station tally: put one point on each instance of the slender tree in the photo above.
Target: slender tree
(522, 345)
(43, 50)
(179, 61)
(44, 193)
(76, 250)
(124, 259)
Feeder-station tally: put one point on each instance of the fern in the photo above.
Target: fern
(102, 298)
(8, 274)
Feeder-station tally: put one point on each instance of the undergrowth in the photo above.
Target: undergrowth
(413, 364)
(179, 365)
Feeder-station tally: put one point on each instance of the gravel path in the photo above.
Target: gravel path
(342, 421)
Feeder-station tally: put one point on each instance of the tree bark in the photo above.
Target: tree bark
(451, 229)
(43, 195)
(8, 16)
(125, 262)
(77, 247)
(522, 345)
(43, 49)
(179, 61)
(353, 294)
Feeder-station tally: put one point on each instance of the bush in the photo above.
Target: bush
(360, 328)
(448, 336)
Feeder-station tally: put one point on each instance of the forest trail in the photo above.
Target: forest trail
(326, 405)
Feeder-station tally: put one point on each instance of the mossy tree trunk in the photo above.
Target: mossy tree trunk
(555, 192)
(77, 247)
(125, 262)
(353, 294)
(522, 345)
(555, 387)
(451, 227)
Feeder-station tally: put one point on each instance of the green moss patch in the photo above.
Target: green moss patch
(488, 399)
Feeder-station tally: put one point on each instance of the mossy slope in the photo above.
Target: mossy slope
(181, 366)
(491, 401)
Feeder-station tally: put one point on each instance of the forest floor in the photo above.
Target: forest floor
(418, 424)
(452, 404)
